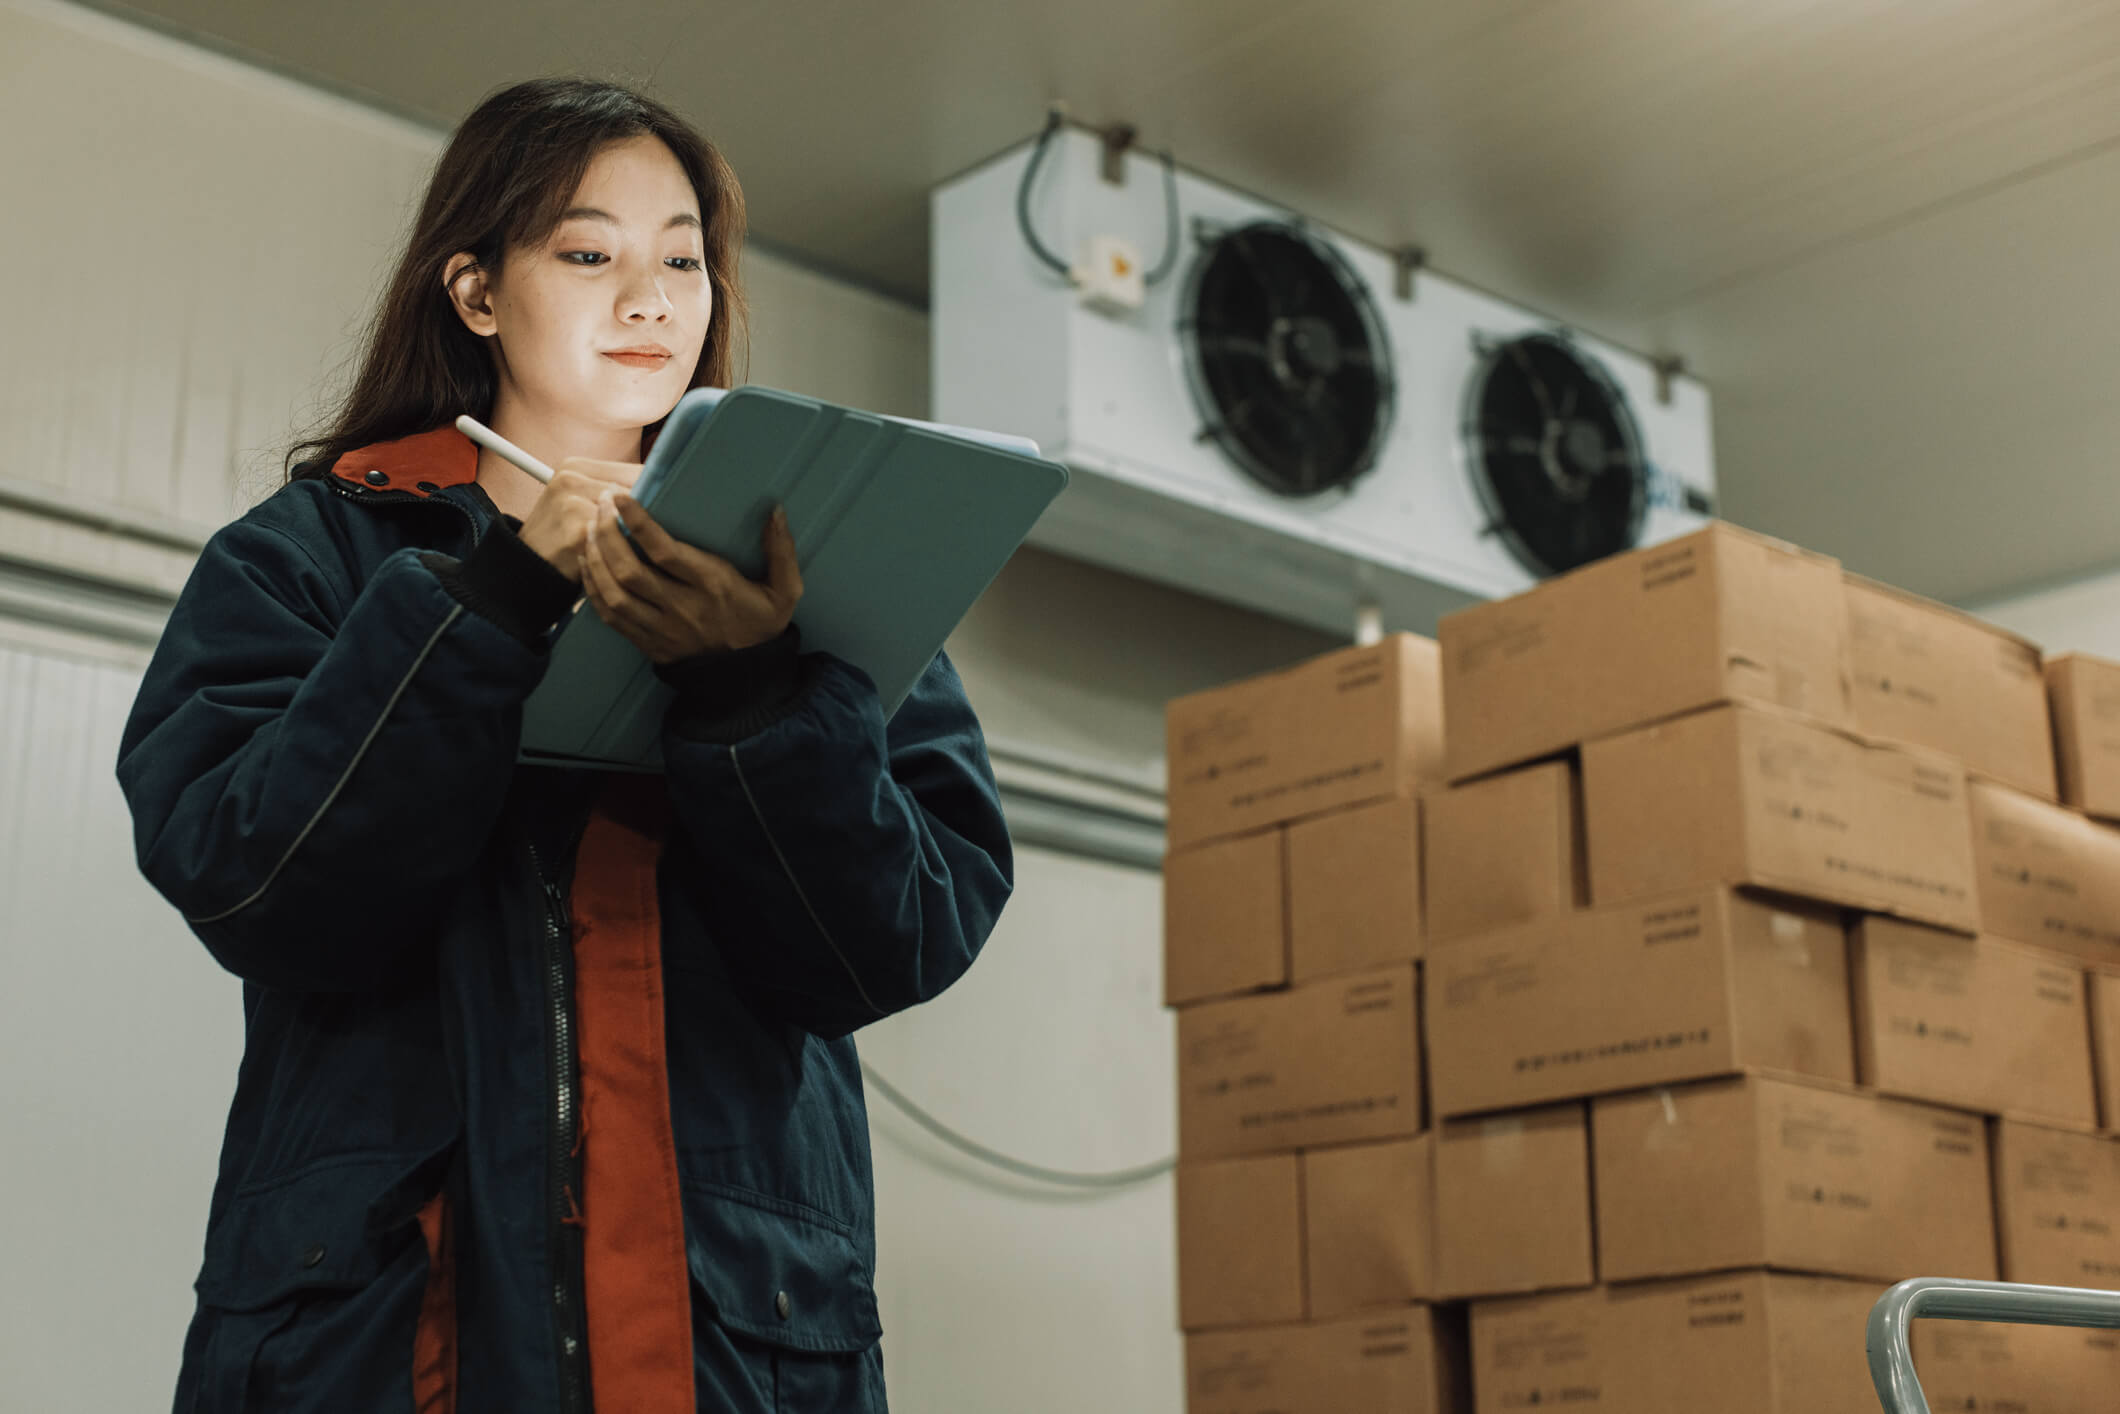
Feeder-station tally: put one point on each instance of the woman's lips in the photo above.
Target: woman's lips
(633, 360)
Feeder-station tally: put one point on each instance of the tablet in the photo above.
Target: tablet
(899, 527)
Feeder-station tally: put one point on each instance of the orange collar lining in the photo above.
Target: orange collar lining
(421, 464)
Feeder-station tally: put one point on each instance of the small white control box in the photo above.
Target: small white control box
(1108, 279)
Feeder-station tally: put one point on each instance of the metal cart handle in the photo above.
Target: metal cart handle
(1892, 1318)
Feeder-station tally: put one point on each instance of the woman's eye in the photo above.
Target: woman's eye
(597, 257)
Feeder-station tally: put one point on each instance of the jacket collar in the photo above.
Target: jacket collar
(420, 465)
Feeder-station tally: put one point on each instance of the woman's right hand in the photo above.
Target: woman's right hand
(560, 522)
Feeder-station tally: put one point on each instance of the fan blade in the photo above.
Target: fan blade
(1538, 386)
(1332, 439)
(1495, 431)
(1244, 345)
(1579, 530)
(1299, 285)
(1240, 241)
(1284, 295)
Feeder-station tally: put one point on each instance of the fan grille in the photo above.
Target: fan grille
(1287, 359)
(1554, 453)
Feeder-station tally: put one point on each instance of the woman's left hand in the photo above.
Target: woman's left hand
(682, 600)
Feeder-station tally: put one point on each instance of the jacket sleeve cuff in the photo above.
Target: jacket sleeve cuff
(508, 582)
(725, 697)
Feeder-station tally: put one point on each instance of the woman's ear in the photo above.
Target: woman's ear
(465, 280)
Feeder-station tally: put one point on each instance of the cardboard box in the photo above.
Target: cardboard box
(2046, 875)
(1767, 1343)
(1504, 850)
(1973, 1022)
(1746, 796)
(1352, 726)
(2084, 695)
(1354, 889)
(1683, 987)
(1759, 1172)
(2105, 1042)
(1313, 1236)
(1749, 1342)
(1368, 1220)
(1225, 927)
(1984, 1366)
(1928, 674)
(1720, 615)
(1512, 1204)
(1410, 1361)
(1329, 1062)
(2057, 1205)
(1240, 1242)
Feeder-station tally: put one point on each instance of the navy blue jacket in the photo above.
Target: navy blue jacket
(321, 770)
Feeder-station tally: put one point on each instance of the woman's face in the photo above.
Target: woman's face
(624, 269)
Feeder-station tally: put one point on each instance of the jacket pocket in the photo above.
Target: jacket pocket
(786, 1306)
(313, 1284)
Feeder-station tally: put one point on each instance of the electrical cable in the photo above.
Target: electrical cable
(1169, 258)
(1170, 222)
(1023, 195)
(1117, 1178)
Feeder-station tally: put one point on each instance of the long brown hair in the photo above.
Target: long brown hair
(510, 169)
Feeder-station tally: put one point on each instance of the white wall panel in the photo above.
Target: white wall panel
(202, 239)
(119, 1037)
(1000, 1295)
(2080, 616)
(833, 341)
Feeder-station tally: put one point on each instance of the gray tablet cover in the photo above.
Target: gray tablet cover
(899, 527)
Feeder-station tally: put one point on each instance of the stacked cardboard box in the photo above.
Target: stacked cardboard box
(1831, 967)
(1292, 943)
(1767, 954)
(2085, 697)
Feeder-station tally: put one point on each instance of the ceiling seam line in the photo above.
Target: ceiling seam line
(1714, 289)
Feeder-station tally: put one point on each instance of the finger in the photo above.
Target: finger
(639, 578)
(593, 585)
(627, 628)
(631, 625)
(596, 583)
(577, 489)
(664, 550)
(783, 574)
(618, 607)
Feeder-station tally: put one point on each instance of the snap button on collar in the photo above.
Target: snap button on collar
(377, 478)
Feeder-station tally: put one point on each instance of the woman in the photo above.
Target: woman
(548, 1098)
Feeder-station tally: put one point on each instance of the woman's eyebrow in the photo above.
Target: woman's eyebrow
(595, 213)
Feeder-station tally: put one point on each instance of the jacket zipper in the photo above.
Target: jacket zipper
(563, 1173)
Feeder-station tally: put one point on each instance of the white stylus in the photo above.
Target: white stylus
(485, 436)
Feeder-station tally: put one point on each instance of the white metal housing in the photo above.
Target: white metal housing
(1013, 349)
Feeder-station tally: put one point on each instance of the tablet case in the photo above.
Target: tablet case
(899, 527)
